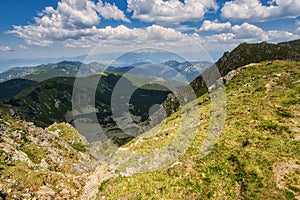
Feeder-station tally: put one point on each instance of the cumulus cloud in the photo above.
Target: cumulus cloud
(110, 36)
(72, 19)
(238, 33)
(172, 11)
(109, 11)
(154, 35)
(280, 36)
(246, 33)
(74, 24)
(254, 10)
(69, 14)
(254, 34)
(214, 26)
(220, 38)
(5, 48)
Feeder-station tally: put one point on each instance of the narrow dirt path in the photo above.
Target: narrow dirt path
(94, 180)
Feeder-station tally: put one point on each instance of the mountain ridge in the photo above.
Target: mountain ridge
(71, 68)
(50, 101)
(242, 55)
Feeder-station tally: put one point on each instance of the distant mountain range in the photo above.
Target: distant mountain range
(116, 59)
(189, 70)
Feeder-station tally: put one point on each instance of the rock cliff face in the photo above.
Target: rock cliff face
(50, 163)
(242, 55)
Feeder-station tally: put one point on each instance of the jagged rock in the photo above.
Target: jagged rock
(45, 193)
(58, 170)
(44, 164)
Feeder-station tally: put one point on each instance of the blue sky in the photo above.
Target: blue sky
(35, 29)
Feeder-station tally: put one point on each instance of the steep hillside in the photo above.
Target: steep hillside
(256, 157)
(46, 102)
(50, 100)
(13, 87)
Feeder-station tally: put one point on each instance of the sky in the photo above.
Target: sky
(37, 29)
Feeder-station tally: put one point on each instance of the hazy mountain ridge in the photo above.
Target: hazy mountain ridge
(242, 55)
(46, 71)
(70, 68)
(190, 70)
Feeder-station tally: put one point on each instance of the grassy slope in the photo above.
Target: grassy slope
(50, 100)
(256, 157)
(13, 87)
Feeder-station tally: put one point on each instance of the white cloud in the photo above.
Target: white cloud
(281, 36)
(23, 47)
(220, 38)
(214, 26)
(74, 24)
(5, 48)
(154, 35)
(254, 10)
(252, 33)
(109, 11)
(235, 34)
(246, 33)
(45, 36)
(70, 14)
(73, 19)
(172, 11)
(249, 31)
(121, 35)
(78, 14)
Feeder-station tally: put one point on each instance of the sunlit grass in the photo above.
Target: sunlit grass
(261, 124)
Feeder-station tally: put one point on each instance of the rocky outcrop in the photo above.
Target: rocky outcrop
(51, 163)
